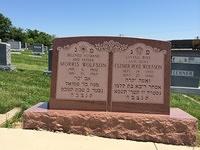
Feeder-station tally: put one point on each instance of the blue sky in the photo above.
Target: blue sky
(156, 19)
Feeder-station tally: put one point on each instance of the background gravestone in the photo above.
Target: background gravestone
(5, 57)
(186, 44)
(15, 45)
(46, 48)
(49, 62)
(30, 47)
(185, 68)
(24, 46)
(38, 49)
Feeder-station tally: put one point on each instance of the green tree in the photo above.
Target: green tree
(5, 27)
(30, 41)
(39, 37)
(7, 31)
(18, 34)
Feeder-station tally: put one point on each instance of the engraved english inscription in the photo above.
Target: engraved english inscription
(82, 73)
(138, 75)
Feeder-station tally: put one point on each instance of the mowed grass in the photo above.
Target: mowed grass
(27, 85)
(196, 97)
(193, 108)
(27, 61)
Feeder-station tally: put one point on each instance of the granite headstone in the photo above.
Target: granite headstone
(95, 79)
(49, 62)
(5, 57)
(113, 74)
(15, 45)
(38, 49)
(45, 48)
(185, 68)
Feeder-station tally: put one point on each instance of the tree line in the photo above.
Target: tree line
(8, 31)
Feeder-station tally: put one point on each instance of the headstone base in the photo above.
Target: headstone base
(17, 50)
(7, 67)
(185, 90)
(177, 128)
(37, 53)
(47, 72)
(35, 56)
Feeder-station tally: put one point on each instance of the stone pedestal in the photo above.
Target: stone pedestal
(7, 67)
(47, 72)
(176, 128)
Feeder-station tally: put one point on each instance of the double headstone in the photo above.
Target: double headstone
(111, 74)
(38, 49)
(5, 57)
(185, 68)
(15, 45)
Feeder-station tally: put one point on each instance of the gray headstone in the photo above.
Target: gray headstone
(38, 49)
(30, 47)
(46, 48)
(49, 62)
(185, 68)
(5, 57)
(25, 45)
(15, 45)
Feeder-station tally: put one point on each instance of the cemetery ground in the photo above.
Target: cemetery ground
(29, 85)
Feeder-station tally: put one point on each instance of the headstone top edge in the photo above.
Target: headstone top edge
(110, 46)
(107, 38)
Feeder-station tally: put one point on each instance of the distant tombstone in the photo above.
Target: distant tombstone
(0, 40)
(30, 47)
(38, 49)
(185, 68)
(5, 57)
(114, 74)
(24, 45)
(15, 45)
(49, 62)
(45, 48)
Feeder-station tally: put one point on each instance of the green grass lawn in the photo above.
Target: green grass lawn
(196, 97)
(28, 85)
(193, 108)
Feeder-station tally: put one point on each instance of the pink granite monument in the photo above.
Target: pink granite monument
(113, 87)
